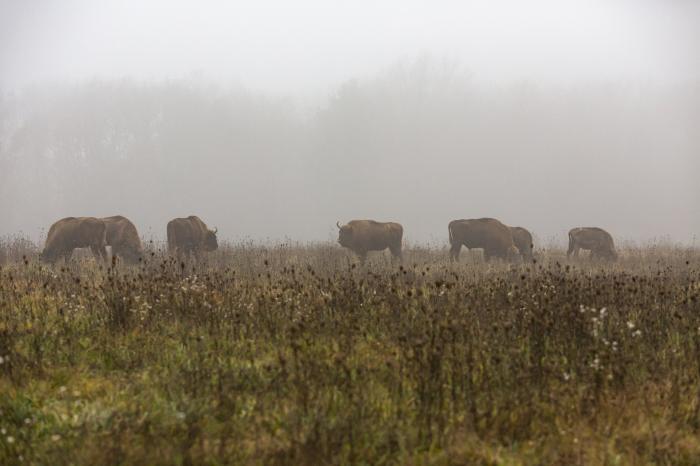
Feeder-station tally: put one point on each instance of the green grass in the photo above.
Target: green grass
(295, 355)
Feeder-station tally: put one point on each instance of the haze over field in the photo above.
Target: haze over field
(276, 119)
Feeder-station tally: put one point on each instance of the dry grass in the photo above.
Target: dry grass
(294, 354)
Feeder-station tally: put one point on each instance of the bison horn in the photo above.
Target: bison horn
(216, 230)
(338, 225)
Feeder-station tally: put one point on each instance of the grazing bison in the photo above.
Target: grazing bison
(523, 241)
(597, 240)
(190, 235)
(361, 236)
(123, 238)
(75, 232)
(485, 233)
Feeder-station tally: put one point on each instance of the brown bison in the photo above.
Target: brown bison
(75, 232)
(594, 239)
(484, 233)
(123, 238)
(523, 241)
(190, 235)
(361, 236)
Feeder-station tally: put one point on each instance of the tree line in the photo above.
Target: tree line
(418, 143)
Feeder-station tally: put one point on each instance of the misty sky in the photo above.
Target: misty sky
(544, 113)
(309, 45)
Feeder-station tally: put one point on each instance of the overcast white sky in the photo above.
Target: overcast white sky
(308, 46)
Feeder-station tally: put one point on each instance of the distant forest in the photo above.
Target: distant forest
(421, 143)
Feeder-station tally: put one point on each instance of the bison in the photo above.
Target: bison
(123, 238)
(488, 234)
(362, 236)
(190, 235)
(594, 239)
(70, 233)
(523, 241)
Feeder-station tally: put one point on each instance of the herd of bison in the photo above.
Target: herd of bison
(191, 236)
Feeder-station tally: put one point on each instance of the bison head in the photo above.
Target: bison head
(48, 255)
(605, 251)
(210, 242)
(527, 253)
(131, 255)
(513, 254)
(344, 235)
(610, 254)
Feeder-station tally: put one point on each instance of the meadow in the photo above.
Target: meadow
(296, 354)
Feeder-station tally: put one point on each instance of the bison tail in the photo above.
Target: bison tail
(449, 232)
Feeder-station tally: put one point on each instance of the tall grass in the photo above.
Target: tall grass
(296, 354)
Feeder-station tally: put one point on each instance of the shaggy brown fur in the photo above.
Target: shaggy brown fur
(123, 238)
(190, 235)
(488, 234)
(75, 232)
(362, 236)
(594, 239)
(523, 241)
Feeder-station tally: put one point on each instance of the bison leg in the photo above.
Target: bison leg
(363, 256)
(396, 252)
(182, 253)
(454, 251)
(99, 251)
(121, 251)
(103, 253)
(67, 254)
(199, 254)
(573, 250)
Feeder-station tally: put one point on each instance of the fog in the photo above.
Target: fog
(274, 120)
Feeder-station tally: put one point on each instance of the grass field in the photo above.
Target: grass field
(297, 355)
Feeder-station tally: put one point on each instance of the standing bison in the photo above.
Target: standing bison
(123, 238)
(75, 232)
(362, 236)
(594, 239)
(488, 234)
(523, 241)
(190, 235)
